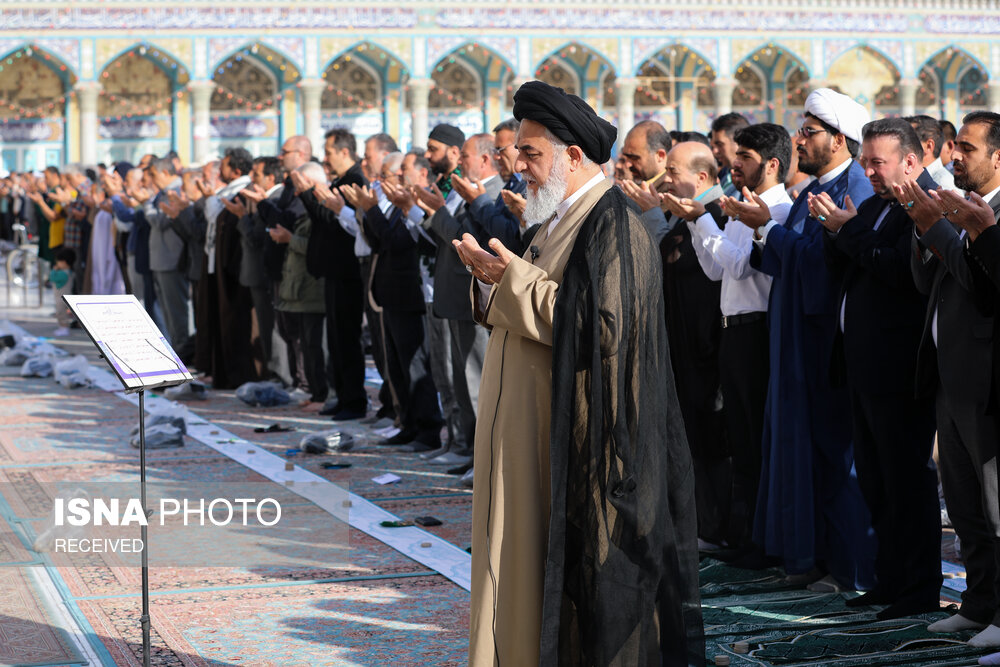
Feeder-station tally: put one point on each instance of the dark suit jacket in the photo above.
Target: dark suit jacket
(396, 280)
(331, 248)
(962, 362)
(492, 219)
(983, 257)
(884, 315)
(451, 279)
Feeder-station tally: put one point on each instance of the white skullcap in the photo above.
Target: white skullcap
(838, 110)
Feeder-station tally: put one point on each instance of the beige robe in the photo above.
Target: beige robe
(510, 507)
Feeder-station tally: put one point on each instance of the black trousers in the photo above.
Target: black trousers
(410, 373)
(386, 394)
(967, 453)
(303, 333)
(743, 372)
(345, 367)
(893, 440)
(263, 306)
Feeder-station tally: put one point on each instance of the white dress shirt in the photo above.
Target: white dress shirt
(724, 254)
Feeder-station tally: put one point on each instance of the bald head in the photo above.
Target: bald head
(691, 169)
(645, 149)
(295, 152)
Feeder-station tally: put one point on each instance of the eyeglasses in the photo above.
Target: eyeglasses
(807, 132)
(497, 151)
(285, 151)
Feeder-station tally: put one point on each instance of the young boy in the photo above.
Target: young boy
(61, 278)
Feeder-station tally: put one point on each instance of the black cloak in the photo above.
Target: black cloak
(621, 575)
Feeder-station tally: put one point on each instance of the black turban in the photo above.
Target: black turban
(449, 135)
(568, 117)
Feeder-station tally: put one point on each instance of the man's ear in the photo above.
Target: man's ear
(576, 156)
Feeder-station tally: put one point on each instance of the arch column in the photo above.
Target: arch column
(724, 96)
(625, 88)
(908, 96)
(420, 93)
(993, 97)
(201, 113)
(312, 93)
(86, 94)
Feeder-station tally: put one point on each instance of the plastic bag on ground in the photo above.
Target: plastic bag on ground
(75, 380)
(40, 366)
(263, 394)
(160, 436)
(189, 391)
(77, 364)
(327, 441)
(15, 356)
(173, 415)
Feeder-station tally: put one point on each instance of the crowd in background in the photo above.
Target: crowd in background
(830, 301)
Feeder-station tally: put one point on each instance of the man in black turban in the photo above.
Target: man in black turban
(584, 546)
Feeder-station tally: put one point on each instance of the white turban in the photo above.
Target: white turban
(838, 110)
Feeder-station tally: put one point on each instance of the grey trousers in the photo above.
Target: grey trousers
(174, 294)
(468, 349)
(438, 341)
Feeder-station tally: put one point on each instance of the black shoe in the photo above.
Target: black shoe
(757, 560)
(330, 409)
(401, 438)
(417, 446)
(348, 415)
(460, 470)
(872, 597)
(908, 607)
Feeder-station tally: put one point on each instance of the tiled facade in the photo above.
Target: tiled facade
(99, 80)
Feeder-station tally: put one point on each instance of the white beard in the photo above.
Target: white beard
(541, 205)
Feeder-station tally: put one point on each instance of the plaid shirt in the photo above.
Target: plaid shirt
(73, 234)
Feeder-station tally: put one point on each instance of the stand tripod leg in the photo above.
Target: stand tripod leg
(144, 619)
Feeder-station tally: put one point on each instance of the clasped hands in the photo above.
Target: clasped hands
(485, 266)
(974, 214)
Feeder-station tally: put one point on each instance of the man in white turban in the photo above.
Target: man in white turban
(811, 516)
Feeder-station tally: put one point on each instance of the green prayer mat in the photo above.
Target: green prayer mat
(788, 625)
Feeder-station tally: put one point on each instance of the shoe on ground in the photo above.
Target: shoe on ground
(460, 470)
(331, 407)
(417, 446)
(298, 396)
(903, 608)
(467, 478)
(434, 453)
(450, 459)
(386, 432)
(706, 546)
(871, 598)
(400, 438)
(61, 331)
(345, 415)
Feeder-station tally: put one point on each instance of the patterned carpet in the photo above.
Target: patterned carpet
(368, 605)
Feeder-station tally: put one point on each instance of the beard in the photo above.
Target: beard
(753, 180)
(971, 180)
(811, 164)
(542, 204)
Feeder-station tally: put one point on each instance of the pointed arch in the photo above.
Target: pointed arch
(279, 70)
(174, 67)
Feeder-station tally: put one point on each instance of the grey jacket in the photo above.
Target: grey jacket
(451, 279)
(166, 248)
